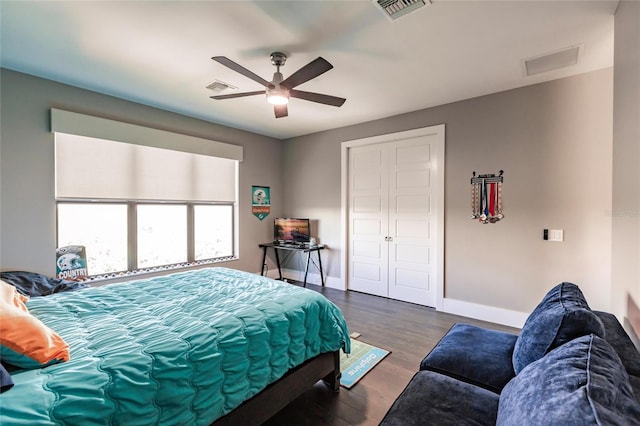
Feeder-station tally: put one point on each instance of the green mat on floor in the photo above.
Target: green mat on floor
(360, 361)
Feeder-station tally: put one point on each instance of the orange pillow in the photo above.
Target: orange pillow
(24, 340)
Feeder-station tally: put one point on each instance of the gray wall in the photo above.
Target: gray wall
(554, 142)
(27, 214)
(626, 158)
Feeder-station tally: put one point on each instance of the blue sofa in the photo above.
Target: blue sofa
(568, 366)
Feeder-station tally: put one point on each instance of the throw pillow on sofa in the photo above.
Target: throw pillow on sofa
(582, 382)
(562, 316)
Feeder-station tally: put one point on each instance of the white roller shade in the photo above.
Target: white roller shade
(96, 168)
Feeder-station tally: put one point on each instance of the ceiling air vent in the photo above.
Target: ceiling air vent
(218, 86)
(551, 61)
(393, 9)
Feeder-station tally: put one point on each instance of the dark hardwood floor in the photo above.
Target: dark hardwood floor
(409, 331)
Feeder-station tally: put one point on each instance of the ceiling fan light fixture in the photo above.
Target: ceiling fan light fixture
(280, 89)
(278, 96)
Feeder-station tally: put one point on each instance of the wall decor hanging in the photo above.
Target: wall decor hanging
(260, 201)
(486, 197)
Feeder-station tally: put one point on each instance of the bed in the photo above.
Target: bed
(207, 346)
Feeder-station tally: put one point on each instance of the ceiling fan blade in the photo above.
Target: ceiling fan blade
(317, 97)
(306, 73)
(242, 70)
(238, 95)
(280, 111)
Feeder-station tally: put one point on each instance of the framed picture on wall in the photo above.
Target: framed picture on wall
(260, 201)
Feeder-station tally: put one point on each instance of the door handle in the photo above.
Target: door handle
(389, 239)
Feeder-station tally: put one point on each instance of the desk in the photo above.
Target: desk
(291, 248)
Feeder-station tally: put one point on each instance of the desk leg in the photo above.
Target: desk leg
(278, 262)
(320, 265)
(264, 259)
(306, 270)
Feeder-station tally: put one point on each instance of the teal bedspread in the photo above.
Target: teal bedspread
(180, 349)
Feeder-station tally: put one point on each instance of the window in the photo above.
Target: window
(162, 235)
(134, 205)
(213, 237)
(100, 227)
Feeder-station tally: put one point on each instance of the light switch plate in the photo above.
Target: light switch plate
(556, 235)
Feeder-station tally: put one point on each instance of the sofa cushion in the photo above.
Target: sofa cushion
(562, 316)
(635, 385)
(580, 382)
(433, 398)
(475, 355)
(617, 337)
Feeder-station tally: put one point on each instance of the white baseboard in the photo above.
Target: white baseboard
(451, 306)
(296, 275)
(485, 313)
(312, 278)
(272, 273)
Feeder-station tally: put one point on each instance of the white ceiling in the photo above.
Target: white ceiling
(159, 53)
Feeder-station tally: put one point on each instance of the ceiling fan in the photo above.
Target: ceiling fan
(279, 91)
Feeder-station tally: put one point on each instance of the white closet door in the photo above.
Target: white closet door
(368, 220)
(411, 217)
(395, 235)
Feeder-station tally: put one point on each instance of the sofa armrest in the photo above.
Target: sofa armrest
(474, 355)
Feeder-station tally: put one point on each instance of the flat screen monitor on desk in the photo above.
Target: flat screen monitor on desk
(291, 231)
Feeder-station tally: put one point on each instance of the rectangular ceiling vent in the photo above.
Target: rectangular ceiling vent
(552, 61)
(218, 86)
(393, 9)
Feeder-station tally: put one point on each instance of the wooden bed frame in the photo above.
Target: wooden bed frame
(278, 395)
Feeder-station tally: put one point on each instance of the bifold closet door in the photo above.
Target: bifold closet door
(411, 266)
(368, 219)
(391, 218)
